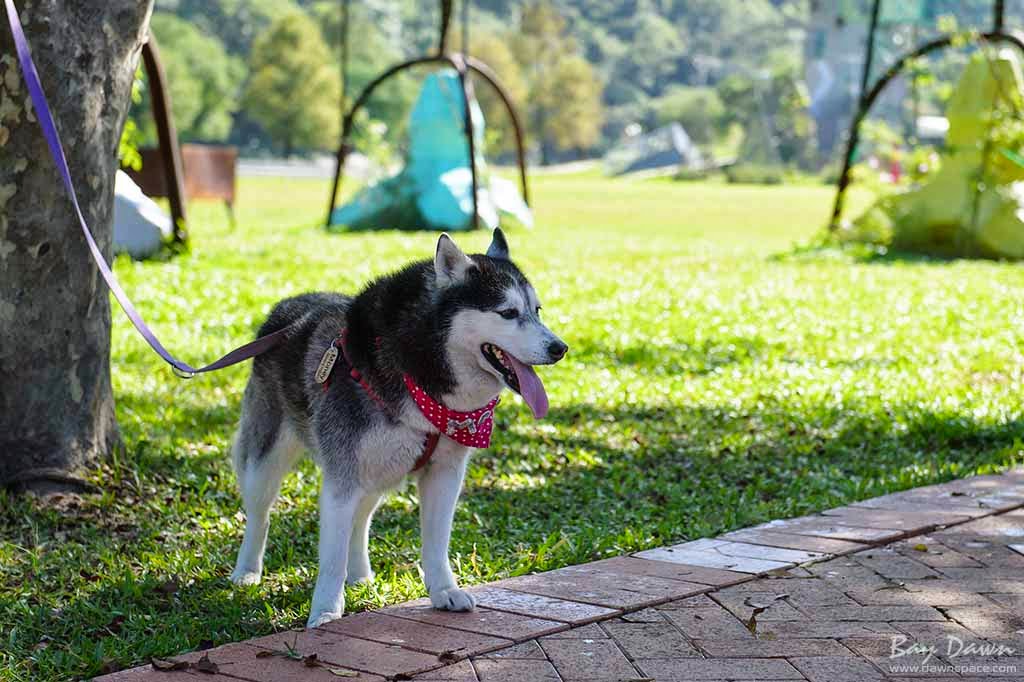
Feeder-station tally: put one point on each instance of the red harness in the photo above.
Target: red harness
(472, 429)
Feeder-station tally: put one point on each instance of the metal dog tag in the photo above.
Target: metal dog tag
(454, 426)
(323, 371)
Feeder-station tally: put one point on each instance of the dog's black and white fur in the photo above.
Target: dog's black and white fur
(432, 320)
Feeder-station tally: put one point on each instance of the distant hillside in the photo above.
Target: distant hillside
(655, 60)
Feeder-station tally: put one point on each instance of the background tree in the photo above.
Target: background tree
(699, 110)
(638, 49)
(236, 23)
(492, 48)
(567, 108)
(204, 81)
(564, 99)
(56, 406)
(294, 88)
(370, 52)
(772, 109)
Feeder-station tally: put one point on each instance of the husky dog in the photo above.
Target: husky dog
(401, 378)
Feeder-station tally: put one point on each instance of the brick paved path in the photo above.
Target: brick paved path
(824, 598)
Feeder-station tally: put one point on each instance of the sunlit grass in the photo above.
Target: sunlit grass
(718, 377)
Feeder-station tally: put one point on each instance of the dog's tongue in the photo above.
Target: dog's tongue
(530, 387)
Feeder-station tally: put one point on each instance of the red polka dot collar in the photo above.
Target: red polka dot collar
(466, 428)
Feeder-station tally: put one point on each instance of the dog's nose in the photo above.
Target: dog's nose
(557, 350)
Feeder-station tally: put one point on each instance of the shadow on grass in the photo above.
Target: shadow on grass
(824, 247)
(682, 357)
(590, 483)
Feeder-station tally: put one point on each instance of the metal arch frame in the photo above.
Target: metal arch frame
(464, 65)
(868, 97)
(167, 135)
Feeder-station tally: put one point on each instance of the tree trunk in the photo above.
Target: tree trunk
(56, 405)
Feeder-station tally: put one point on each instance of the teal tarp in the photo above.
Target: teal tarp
(434, 189)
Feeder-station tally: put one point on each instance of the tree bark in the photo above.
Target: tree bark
(56, 405)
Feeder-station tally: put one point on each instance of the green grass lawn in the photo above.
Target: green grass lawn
(717, 378)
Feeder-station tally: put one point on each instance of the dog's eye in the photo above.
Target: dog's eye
(509, 313)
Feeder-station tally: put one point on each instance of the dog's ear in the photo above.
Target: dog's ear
(499, 247)
(450, 263)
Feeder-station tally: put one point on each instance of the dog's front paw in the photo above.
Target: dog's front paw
(242, 576)
(318, 619)
(452, 599)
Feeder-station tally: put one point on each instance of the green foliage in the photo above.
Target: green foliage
(651, 62)
(204, 82)
(235, 23)
(685, 174)
(755, 174)
(634, 54)
(645, 48)
(492, 49)
(567, 105)
(969, 207)
(637, 49)
(711, 386)
(369, 54)
(294, 89)
(131, 138)
(773, 113)
(699, 110)
(564, 100)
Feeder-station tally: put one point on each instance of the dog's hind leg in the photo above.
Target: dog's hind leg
(338, 506)
(359, 545)
(263, 452)
(439, 486)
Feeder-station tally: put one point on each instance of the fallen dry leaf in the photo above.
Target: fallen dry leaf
(758, 609)
(752, 621)
(165, 666)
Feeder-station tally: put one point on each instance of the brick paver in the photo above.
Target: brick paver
(463, 671)
(792, 541)
(592, 660)
(540, 606)
(633, 566)
(603, 588)
(679, 554)
(687, 670)
(512, 670)
(410, 634)
(650, 640)
(350, 652)
(482, 620)
(922, 584)
(526, 650)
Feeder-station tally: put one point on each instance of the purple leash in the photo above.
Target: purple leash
(45, 117)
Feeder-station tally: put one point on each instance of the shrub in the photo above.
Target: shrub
(699, 110)
(755, 174)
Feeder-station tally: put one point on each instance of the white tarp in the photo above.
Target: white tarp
(140, 226)
(668, 146)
